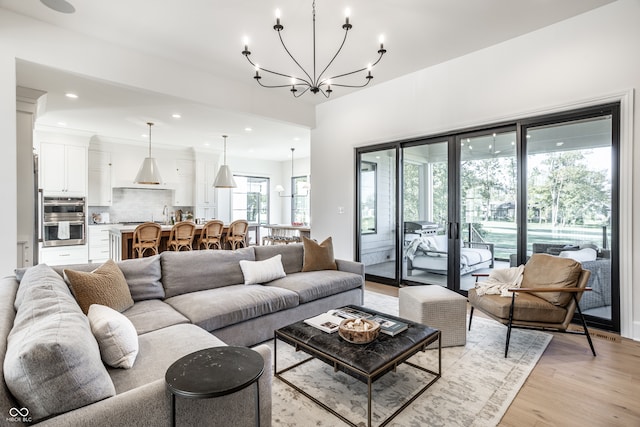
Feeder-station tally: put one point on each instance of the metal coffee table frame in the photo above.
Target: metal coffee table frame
(370, 377)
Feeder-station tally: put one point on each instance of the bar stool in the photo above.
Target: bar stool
(146, 236)
(237, 233)
(181, 236)
(211, 235)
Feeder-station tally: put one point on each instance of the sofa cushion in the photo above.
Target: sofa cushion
(215, 308)
(105, 285)
(151, 315)
(116, 336)
(548, 271)
(40, 275)
(151, 364)
(143, 275)
(53, 362)
(256, 272)
(314, 285)
(291, 255)
(318, 256)
(190, 271)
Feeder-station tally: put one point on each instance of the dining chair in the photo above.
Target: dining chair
(211, 235)
(146, 237)
(237, 234)
(181, 236)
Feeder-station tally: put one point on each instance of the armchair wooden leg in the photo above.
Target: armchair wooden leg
(470, 317)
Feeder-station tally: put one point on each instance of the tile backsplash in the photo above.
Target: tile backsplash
(138, 205)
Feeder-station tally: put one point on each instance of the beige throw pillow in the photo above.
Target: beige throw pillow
(318, 256)
(116, 336)
(105, 285)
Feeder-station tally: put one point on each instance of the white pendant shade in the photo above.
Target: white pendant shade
(148, 172)
(224, 179)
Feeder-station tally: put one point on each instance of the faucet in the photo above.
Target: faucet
(165, 214)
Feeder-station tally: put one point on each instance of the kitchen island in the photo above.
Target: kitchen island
(121, 239)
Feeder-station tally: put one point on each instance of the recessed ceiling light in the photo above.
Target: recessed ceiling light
(206, 144)
(62, 124)
(144, 135)
(248, 129)
(176, 116)
(296, 139)
(71, 95)
(559, 144)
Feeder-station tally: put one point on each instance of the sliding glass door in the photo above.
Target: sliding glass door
(377, 214)
(425, 212)
(436, 210)
(570, 208)
(488, 194)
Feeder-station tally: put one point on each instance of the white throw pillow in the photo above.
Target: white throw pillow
(262, 271)
(116, 336)
(581, 255)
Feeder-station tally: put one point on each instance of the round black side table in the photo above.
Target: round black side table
(214, 372)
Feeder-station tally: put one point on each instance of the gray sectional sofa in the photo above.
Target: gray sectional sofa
(183, 302)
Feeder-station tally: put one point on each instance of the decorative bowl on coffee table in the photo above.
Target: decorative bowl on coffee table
(359, 331)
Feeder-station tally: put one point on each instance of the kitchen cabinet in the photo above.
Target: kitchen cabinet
(99, 243)
(64, 255)
(63, 169)
(183, 193)
(99, 193)
(205, 193)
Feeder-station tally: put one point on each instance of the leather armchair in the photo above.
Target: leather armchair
(547, 298)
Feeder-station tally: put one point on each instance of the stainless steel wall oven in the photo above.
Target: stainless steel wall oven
(64, 221)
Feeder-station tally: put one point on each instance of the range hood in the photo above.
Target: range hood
(128, 184)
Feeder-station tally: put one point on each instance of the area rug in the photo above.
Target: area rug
(477, 385)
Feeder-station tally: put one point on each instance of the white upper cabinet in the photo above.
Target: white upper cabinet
(183, 193)
(99, 193)
(63, 169)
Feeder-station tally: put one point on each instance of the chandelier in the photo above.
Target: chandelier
(312, 82)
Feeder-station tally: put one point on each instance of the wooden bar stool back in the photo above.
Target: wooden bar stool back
(146, 237)
(211, 236)
(237, 233)
(181, 236)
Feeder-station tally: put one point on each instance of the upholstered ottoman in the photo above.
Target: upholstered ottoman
(438, 308)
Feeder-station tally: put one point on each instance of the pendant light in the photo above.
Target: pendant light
(148, 172)
(224, 179)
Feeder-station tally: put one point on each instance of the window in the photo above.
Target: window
(251, 199)
(300, 200)
(368, 221)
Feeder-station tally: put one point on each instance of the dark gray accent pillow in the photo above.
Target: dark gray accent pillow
(192, 271)
(52, 364)
(144, 277)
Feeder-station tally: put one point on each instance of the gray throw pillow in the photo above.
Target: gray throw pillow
(52, 364)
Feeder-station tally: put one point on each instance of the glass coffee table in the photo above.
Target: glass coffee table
(365, 362)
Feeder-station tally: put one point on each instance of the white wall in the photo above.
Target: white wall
(583, 60)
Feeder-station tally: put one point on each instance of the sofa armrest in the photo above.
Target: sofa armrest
(151, 405)
(350, 266)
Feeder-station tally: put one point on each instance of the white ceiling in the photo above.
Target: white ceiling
(207, 35)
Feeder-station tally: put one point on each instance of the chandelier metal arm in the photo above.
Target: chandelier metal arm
(293, 59)
(346, 32)
(356, 71)
(301, 80)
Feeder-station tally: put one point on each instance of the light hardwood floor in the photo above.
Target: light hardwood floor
(569, 387)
